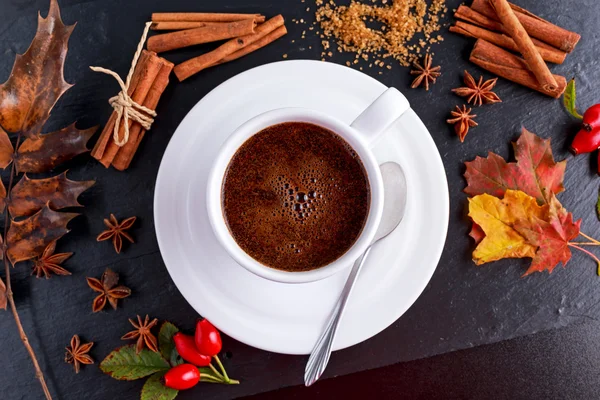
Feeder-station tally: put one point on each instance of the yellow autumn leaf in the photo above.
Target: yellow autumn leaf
(497, 218)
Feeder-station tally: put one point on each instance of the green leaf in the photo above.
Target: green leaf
(569, 99)
(154, 390)
(123, 364)
(175, 358)
(165, 339)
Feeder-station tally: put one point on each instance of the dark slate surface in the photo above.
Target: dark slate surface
(462, 307)
(557, 364)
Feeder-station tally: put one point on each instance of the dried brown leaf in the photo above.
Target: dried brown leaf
(26, 100)
(3, 298)
(37, 80)
(29, 238)
(2, 196)
(6, 149)
(29, 195)
(52, 149)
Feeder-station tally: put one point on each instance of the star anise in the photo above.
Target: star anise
(117, 231)
(107, 286)
(425, 72)
(478, 92)
(463, 120)
(49, 262)
(77, 353)
(143, 334)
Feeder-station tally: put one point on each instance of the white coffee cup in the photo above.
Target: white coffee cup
(361, 135)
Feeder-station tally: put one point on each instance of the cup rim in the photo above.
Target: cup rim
(240, 136)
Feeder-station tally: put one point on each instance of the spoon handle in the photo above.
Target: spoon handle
(319, 357)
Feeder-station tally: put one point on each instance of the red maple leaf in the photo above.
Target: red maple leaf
(535, 172)
(552, 236)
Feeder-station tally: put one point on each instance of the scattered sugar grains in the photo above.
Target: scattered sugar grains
(383, 28)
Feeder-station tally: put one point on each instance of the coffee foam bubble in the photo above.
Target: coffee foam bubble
(301, 198)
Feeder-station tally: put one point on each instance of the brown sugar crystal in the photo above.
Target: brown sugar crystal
(399, 30)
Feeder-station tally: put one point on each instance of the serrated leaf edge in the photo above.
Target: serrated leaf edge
(102, 365)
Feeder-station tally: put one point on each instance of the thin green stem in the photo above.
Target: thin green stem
(216, 357)
(209, 378)
(217, 373)
(589, 254)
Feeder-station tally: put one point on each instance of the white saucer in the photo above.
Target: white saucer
(288, 318)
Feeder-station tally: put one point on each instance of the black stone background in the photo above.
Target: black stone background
(462, 307)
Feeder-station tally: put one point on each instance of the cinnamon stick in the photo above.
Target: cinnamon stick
(506, 65)
(271, 37)
(136, 134)
(205, 17)
(107, 132)
(513, 27)
(536, 27)
(548, 53)
(180, 25)
(205, 34)
(468, 14)
(147, 77)
(197, 64)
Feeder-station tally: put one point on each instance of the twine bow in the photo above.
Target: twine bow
(123, 105)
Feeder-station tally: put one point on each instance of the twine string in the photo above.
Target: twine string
(123, 104)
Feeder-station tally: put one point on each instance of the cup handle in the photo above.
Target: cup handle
(376, 118)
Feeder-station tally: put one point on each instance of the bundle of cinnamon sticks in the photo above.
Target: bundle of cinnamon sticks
(149, 80)
(499, 25)
(244, 33)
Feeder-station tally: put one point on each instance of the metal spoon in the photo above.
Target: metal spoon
(394, 183)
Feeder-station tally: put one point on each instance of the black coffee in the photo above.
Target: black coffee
(295, 196)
